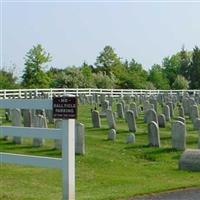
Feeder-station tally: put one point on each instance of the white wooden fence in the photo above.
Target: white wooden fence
(65, 134)
(29, 93)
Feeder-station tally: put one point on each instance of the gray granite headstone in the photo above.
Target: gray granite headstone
(110, 119)
(151, 116)
(26, 114)
(196, 124)
(120, 110)
(131, 121)
(112, 135)
(181, 111)
(181, 119)
(153, 134)
(194, 112)
(190, 160)
(16, 121)
(49, 115)
(80, 139)
(40, 122)
(161, 121)
(130, 138)
(134, 108)
(96, 121)
(170, 104)
(178, 135)
(166, 112)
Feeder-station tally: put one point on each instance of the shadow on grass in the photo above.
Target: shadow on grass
(166, 138)
(96, 129)
(137, 147)
(176, 157)
(11, 145)
(153, 150)
(46, 152)
(193, 142)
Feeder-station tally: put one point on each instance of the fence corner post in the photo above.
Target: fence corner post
(68, 159)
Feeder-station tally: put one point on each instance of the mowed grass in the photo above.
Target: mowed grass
(108, 171)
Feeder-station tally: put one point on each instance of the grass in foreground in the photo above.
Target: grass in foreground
(108, 171)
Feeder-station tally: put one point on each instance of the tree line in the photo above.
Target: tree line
(179, 71)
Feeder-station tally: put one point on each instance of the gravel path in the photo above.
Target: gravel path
(184, 194)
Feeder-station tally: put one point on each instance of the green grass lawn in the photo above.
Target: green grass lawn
(109, 170)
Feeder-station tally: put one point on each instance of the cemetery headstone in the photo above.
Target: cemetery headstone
(151, 116)
(170, 104)
(112, 135)
(181, 111)
(120, 110)
(166, 112)
(40, 122)
(181, 119)
(16, 121)
(196, 124)
(131, 121)
(178, 135)
(130, 138)
(161, 121)
(96, 121)
(153, 134)
(26, 114)
(190, 160)
(194, 112)
(80, 139)
(110, 119)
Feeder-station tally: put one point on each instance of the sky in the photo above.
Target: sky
(77, 31)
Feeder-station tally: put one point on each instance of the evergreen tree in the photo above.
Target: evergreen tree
(195, 69)
(184, 64)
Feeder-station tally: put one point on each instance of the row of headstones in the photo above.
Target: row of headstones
(131, 112)
(178, 131)
(178, 135)
(178, 128)
(32, 118)
(112, 135)
(168, 112)
(153, 123)
(138, 98)
(111, 119)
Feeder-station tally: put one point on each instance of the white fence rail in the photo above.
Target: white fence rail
(65, 134)
(30, 93)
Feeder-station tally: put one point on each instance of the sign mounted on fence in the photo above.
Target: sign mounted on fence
(65, 107)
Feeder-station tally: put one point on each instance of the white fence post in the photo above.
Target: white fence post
(4, 94)
(68, 159)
